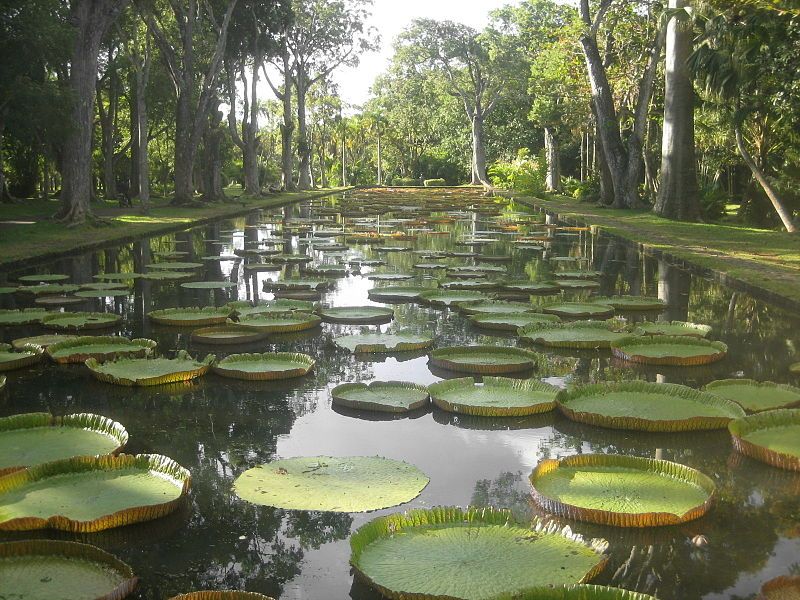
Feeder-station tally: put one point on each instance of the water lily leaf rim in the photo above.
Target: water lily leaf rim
(223, 595)
(535, 332)
(280, 322)
(631, 303)
(444, 358)
(139, 348)
(339, 395)
(35, 315)
(626, 350)
(207, 315)
(191, 369)
(440, 389)
(386, 343)
(739, 428)
(373, 314)
(246, 335)
(692, 329)
(757, 386)
(91, 320)
(226, 367)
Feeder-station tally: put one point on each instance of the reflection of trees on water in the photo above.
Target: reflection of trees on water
(507, 490)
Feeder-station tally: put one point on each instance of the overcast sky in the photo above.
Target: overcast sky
(390, 17)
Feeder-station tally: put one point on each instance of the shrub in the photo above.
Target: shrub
(587, 191)
(406, 182)
(434, 182)
(523, 175)
(713, 202)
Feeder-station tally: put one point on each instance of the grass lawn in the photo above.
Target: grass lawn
(27, 232)
(760, 257)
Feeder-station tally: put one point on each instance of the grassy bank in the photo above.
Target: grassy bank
(28, 234)
(761, 258)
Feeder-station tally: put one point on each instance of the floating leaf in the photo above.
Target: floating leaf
(756, 396)
(495, 397)
(396, 293)
(26, 316)
(32, 439)
(357, 314)
(623, 491)
(631, 302)
(644, 406)
(117, 276)
(107, 293)
(176, 266)
(577, 592)
(530, 287)
(92, 493)
(669, 350)
(772, 437)
(58, 301)
(499, 307)
(44, 277)
(281, 323)
(24, 357)
(673, 328)
(335, 484)
(298, 284)
(384, 343)
(382, 396)
(52, 288)
(191, 317)
(448, 298)
(230, 333)
(577, 274)
(577, 284)
(209, 285)
(472, 554)
(280, 306)
(150, 371)
(81, 320)
(100, 348)
(165, 275)
(390, 277)
(578, 309)
(577, 334)
(42, 340)
(484, 360)
(223, 595)
(265, 367)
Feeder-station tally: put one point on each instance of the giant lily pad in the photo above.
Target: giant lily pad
(209, 285)
(230, 333)
(291, 258)
(579, 274)
(176, 266)
(623, 491)
(281, 323)
(384, 343)
(578, 309)
(577, 284)
(579, 592)
(511, 321)
(357, 314)
(92, 493)
(772, 437)
(265, 367)
(273, 307)
(42, 340)
(499, 307)
(27, 316)
(24, 357)
(382, 396)
(484, 360)
(631, 302)
(81, 320)
(644, 406)
(531, 287)
(107, 293)
(785, 587)
(578, 334)
(472, 554)
(49, 288)
(104, 285)
(44, 277)
(49, 569)
(669, 350)
(334, 271)
(390, 276)
(150, 371)
(191, 317)
(673, 328)
(495, 397)
(223, 595)
(396, 293)
(298, 284)
(117, 276)
(336, 484)
(58, 301)
(448, 298)
(166, 275)
(32, 439)
(756, 396)
(100, 348)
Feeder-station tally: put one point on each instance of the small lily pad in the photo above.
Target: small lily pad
(26, 316)
(209, 285)
(107, 293)
(81, 320)
(756, 396)
(484, 360)
(494, 397)
(176, 266)
(150, 371)
(673, 328)
(381, 396)
(280, 322)
(273, 307)
(499, 307)
(50, 289)
(298, 284)
(390, 276)
(191, 317)
(578, 309)
(531, 287)
(265, 367)
(773, 437)
(357, 314)
(511, 321)
(230, 333)
(396, 293)
(632, 303)
(44, 277)
(448, 298)
(669, 350)
(100, 348)
(384, 343)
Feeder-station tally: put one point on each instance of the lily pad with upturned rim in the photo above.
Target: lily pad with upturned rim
(772, 437)
(622, 491)
(384, 343)
(471, 554)
(673, 328)
(209, 285)
(484, 360)
(19, 359)
(101, 348)
(576, 334)
(334, 484)
(298, 284)
(480, 285)
(44, 277)
(58, 301)
(511, 321)
(448, 298)
(176, 266)
(390, 276)
(631, 303)
(167, 275)
(107, 293)
(62, 570)
(150, 371)
(123, 489)
(49, 288)
(104, 285)
(644, 406)
(281, 323)
(42, 340)
(578, 309)
(669, 350)
(230, 333)
(578, 592)
(265, 367)
(275, 307)
(191, 317)
(494, 397)
(498, 307)
(381, 396)
(356, 314)
(397, 293)
(578, 284)
(117, 276)
(81, 320)
(756, 396)
(31, 439)
(530, 287)
(26, 316)
(223, 595)
(785, 587)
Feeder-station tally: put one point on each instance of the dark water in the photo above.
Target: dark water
(218, 427)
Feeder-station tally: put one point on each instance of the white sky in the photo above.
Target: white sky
(390, 17)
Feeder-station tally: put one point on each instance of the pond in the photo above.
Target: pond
(217, 428)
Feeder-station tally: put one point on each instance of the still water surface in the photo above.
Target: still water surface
(219, 427)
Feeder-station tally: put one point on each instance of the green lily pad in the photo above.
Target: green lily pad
(44, 277)
(42, 340)
(230, 333)
(123, 490)
(481, 285)
(448, 298)
(280, 323)
(100, 348)
(484, 360)
(8, 290)
(673, 328)
(109, 293)
(326, 271)
(429, 266)
(171, 254)
(381, 396)
(273, 307)
(176, 266)
(511, 321)
(578, 309)
(756, 396)
(49, 289)
(104, 285)
(396, 293)
(297, 284)
(390, 276)
(498, 307)
(26, 316)
(49, 569)
(24, 357)
(290, 258)
(494, 397)
(631, 302)
(208, 285)
(577, 284)
(32, 439)
(773, 437)
(58, 301)
(472, 554)
(81, 320)
(488, 269)
(263, 267)
(150, 371)
(335, 484)
(669, 350)
(643, 406)
(117, 276)
(623, 491)
(265, 367)
(530, 287)
(577, 274)
(384, 343)
(223, 595)
(577, 334)
(191, 317)
(357, 314)
(579, 592)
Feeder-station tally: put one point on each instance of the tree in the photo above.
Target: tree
(284, 95)
(678, 196)
(91, 21)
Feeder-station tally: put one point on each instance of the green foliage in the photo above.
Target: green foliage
(524, 174)
(583, 191)
(434, 182)
(713, 202)
(405, 181)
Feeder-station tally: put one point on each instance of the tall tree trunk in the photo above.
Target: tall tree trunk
(478, 151)
(142, 142)
(303, 147)
(4, 196)
(287, 127)
(212, 157)
(380, 158)
(678, 195)
(184, 152)
(784, 214)
(133, 175)
(553, 179)
(108, 126)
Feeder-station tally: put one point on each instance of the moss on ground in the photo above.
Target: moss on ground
(760, 257)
